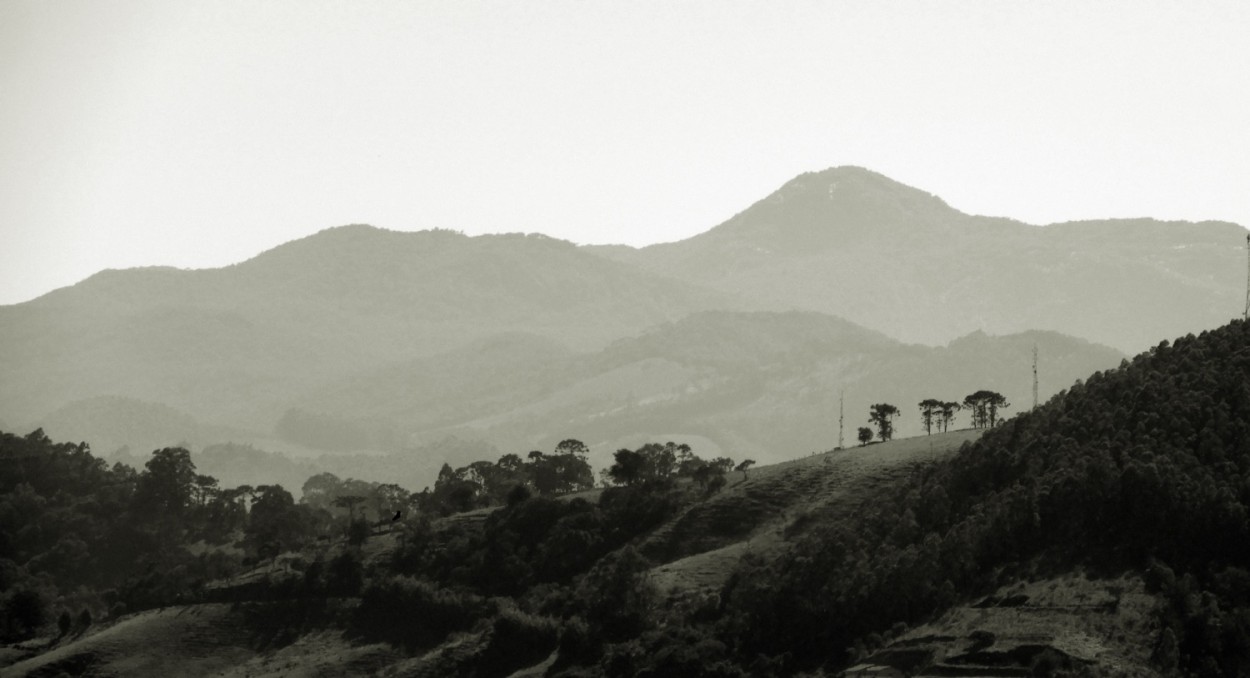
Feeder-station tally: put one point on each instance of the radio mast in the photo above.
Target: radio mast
(1035, 376)
(841, 411)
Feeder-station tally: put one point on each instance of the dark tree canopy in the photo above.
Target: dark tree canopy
(882, 416)
(166, 486)
(984, 406)
(930, 409)
(865, 435)
(948, 410)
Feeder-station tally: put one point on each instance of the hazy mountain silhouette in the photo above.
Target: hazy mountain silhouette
(853, 243)
(225, 345)
(362, 338)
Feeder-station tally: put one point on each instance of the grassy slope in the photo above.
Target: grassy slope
(699, 549)
(194, 640)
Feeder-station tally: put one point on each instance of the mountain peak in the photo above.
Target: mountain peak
(838, 206)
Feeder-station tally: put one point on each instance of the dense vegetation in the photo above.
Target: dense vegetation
(1142, 468)
(1146, 466)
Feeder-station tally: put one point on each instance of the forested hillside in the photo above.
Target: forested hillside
(1140, 471)
(1145, 467)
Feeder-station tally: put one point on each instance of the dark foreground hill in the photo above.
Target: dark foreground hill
(855, 244)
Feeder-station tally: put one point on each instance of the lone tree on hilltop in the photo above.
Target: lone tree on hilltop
(744, 466)
(948, 410)
(882, 414)
(929, 409)
(865, 435)
(985, 405)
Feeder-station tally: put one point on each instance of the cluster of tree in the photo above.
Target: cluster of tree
(937, 414)
(983, 406)
(540, 538)
(351, 500)
(484, 483)
(76, 534)
(654, 463)
(1149, 463)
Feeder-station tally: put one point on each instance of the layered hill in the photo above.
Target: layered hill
(856, 244)
(224, 345)
(360, 338)
(755, 384)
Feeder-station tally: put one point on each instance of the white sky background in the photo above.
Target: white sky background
(197, 134)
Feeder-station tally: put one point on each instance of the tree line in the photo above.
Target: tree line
(983, 406)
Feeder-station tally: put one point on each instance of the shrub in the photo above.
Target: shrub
(517, 640)
(358, 532)
(84, 619)
(22, 613)
(519, 493)
(345, 575)
(416, 614)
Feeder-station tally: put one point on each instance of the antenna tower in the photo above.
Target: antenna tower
(1035, 376)
(841, 411)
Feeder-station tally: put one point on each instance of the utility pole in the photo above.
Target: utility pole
(1035, 376)
(841, 412)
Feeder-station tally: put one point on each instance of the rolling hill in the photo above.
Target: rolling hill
(224, 345)
(754, 384)
(358, 338)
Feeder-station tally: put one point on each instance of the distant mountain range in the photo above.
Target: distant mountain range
(853, 243)
(234, 344)
(361, 338)
(764, 385)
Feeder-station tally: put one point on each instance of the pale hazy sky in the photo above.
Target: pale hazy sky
(198, 134)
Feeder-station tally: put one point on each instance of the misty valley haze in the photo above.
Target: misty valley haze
(741, 338)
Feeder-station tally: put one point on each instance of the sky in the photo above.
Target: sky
(198, 134)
